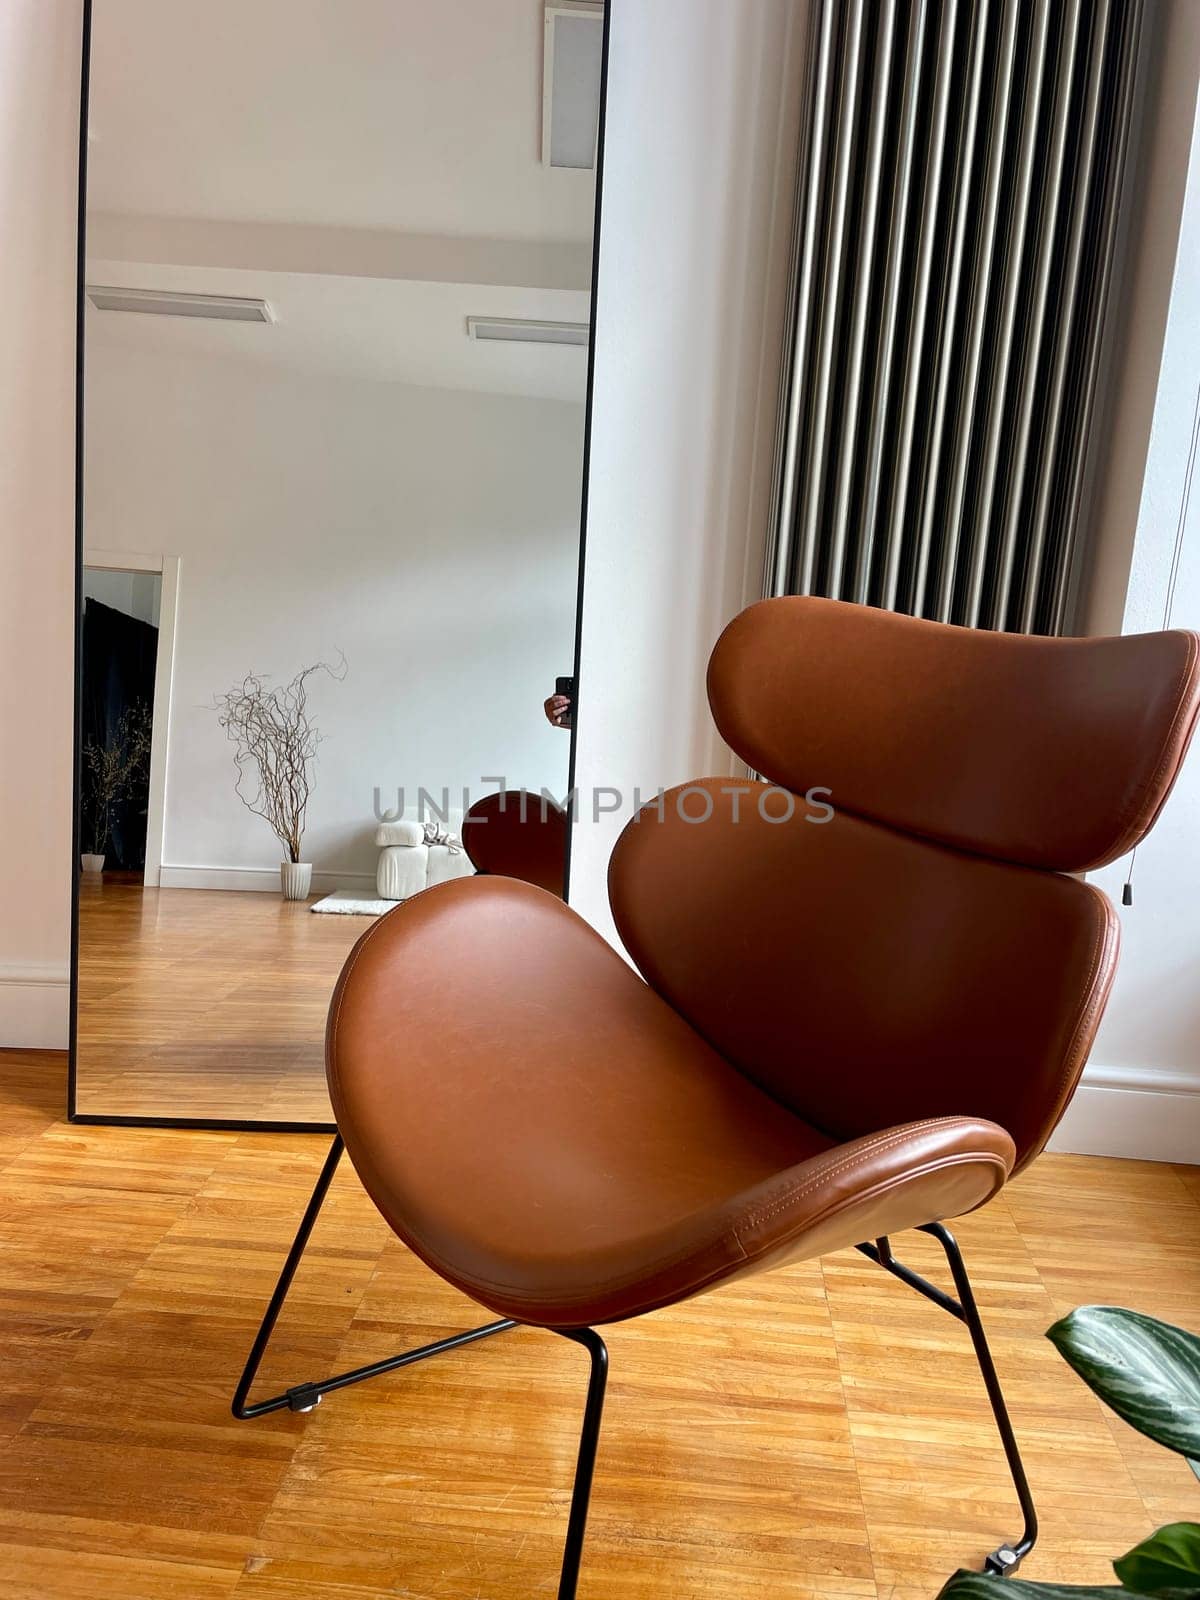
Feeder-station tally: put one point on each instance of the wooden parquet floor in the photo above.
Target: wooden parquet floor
(205, 1003)
(816, 1434)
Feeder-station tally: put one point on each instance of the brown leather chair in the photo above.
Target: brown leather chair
(515, 834)
(847, 1028)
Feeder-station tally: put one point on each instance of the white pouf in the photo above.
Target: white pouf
(407, 864)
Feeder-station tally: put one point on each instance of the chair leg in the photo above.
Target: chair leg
(1009, 1556)
(266, 1327)
(589, 1439)
(305, 1396)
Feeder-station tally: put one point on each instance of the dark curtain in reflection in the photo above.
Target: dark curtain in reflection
(119, 654)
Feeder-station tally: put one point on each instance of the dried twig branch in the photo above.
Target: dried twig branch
(275, 748)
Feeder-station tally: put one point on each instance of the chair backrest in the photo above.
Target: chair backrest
(906, 941)
(516, 834)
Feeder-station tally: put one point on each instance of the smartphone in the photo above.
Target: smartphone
(565, 686)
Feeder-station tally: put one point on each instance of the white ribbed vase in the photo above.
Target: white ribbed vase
(296, 879)
(91, 863)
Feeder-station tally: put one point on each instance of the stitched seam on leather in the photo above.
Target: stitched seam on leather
(894, 1181)
(1093, 996)
(875, 1147)
(1136, 810)
(598, 1291)
(731, 1237)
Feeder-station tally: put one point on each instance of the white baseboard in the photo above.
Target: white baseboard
(1142, 1113)
(35, 1006)
(262, 880)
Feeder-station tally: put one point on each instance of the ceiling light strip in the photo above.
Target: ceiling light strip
(177, 303)
(525, 330)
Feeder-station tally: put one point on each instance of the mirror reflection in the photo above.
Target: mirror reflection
(336, 345)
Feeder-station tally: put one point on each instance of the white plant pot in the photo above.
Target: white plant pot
(91, 863)
(296, 879)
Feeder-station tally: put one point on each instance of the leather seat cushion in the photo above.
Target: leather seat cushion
(549, 1135)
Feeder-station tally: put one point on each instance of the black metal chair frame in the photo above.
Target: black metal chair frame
(305, 1396)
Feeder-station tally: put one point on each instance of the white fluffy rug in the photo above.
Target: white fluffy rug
(348, 903)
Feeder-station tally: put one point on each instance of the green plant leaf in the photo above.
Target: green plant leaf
(985, 1586)
(1147, 1371)
(1168, 1559)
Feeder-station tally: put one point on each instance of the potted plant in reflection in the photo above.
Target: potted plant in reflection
(114, 768)
(275, 740)
(1148, 1372)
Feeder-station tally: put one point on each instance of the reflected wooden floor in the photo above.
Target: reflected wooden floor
(819, 1433)
(205, 1003)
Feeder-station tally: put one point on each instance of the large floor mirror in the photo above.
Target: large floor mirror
(336, 303)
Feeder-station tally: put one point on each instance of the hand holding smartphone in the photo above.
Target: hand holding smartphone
(561, 704)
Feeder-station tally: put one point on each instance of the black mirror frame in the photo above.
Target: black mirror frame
(220, 1124)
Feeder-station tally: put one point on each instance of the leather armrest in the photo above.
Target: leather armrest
(880, 1184)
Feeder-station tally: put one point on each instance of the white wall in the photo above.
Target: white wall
(699, 167)
(39, 107)
(429, 535)
(1142, 1088)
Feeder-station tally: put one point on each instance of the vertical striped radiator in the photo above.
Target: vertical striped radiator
(956, 217)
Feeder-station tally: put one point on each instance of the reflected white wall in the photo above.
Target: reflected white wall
(429, 535)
